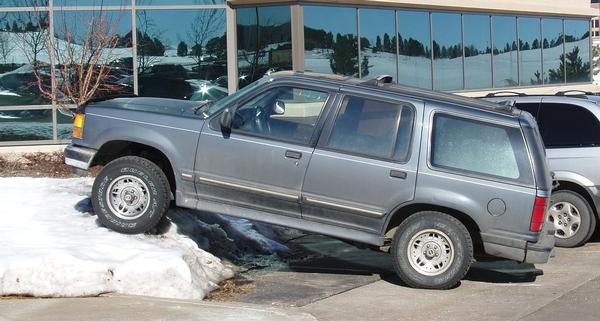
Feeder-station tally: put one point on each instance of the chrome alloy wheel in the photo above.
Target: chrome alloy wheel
(430, 252)
(566, 219)
(128, 197)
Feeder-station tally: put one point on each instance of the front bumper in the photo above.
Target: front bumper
(79, 157)
(520, 250)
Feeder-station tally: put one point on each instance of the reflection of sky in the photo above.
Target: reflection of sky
(446, 29)
(173, 26)
(375, 22)
(505, 31)
(576, 28)
(477, 31)
(77, 21)
(413, 24)
(272, 15)
(334, 19)
(529, 29)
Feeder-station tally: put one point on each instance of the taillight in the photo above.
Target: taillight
(538, 214)
(78, 122)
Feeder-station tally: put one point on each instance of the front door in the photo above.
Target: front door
(261, 163)
(363, 166)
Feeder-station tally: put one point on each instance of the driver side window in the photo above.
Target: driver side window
(283, 113)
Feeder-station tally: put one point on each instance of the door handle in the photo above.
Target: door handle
(293, 154)
(398, 174)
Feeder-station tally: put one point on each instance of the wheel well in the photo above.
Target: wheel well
(115, 149)
(404, 212)
(573, 187)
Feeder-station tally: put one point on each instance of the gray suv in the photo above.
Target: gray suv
(435, 179)
(570, 126)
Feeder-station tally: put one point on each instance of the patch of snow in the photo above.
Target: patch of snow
(49, 248)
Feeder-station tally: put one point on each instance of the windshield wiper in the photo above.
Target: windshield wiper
(203, 106)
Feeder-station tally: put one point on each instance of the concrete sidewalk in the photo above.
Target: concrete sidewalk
(125, 308)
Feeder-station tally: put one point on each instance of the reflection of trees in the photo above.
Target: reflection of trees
(344, 56)
(32, 30)
(6, 46)
(149, 45)
(413, 47)
(206, 24)
(573, 66)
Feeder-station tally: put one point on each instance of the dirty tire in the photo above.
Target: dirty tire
(587, 223)
(137, 184)
(433, 229)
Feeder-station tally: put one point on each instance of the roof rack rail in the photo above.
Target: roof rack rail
(498, 93)
(581, 92)
(380, 80)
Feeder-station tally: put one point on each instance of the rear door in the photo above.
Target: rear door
(363, 165)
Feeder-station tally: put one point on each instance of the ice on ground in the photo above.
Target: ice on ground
(48, 248)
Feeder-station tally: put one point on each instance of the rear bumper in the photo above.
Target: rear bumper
(79, 157)
(521, 250)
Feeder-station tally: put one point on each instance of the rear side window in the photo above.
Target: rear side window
(531, 108)
(480, 148)
(373, 128)
(565, 125)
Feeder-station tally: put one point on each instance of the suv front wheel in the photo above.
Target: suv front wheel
(130, 195)
(432, 250)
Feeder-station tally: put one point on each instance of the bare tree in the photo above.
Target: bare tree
(6, 46)
(147, 41)
(82, 48)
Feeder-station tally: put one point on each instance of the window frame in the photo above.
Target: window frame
(528, 181)
(235, 105)
(333, 115)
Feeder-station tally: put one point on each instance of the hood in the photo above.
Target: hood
(175, 107)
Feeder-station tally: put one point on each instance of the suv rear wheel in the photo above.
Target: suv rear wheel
(130, 195)
(573, 218)
(432, 250)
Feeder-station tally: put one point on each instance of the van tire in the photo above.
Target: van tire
(579, 208)
(432, 250)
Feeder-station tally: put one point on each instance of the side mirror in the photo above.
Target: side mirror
(279, 107)
(226, 119)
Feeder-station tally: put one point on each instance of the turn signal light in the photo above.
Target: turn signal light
(538, 214)
(78, 122)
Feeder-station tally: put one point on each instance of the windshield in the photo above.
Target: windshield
(222, 103)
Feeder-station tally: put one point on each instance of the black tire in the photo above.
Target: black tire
(142, 179)
(455, 233)
(582, 231)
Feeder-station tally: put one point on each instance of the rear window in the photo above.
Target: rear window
(566, 125)
(480, 148)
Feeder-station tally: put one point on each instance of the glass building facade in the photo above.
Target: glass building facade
(202, 49)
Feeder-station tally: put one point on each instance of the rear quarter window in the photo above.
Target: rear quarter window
(480, 148)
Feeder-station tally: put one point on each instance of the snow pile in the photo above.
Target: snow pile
(48, 248)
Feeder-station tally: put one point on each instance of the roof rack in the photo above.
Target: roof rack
(380, 80)
(580, 92)
(505, 93)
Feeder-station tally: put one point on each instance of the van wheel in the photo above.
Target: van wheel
(130, 195)
(572, 217)
(432, 250)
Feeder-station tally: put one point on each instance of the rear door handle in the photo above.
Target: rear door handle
(293, 154)
(398, 174)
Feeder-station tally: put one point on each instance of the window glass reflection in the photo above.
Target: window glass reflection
(504, 30)
(553, 51)
(530, 51)
(264, 42)
(577, 48)
(77, 3)
(377, 43)
(414, 42)
(478, 51)
(22, 50)
(182, 54)
(175, 2)
(23, 3)
(330, 40)
(447, 51)
(20, 125)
